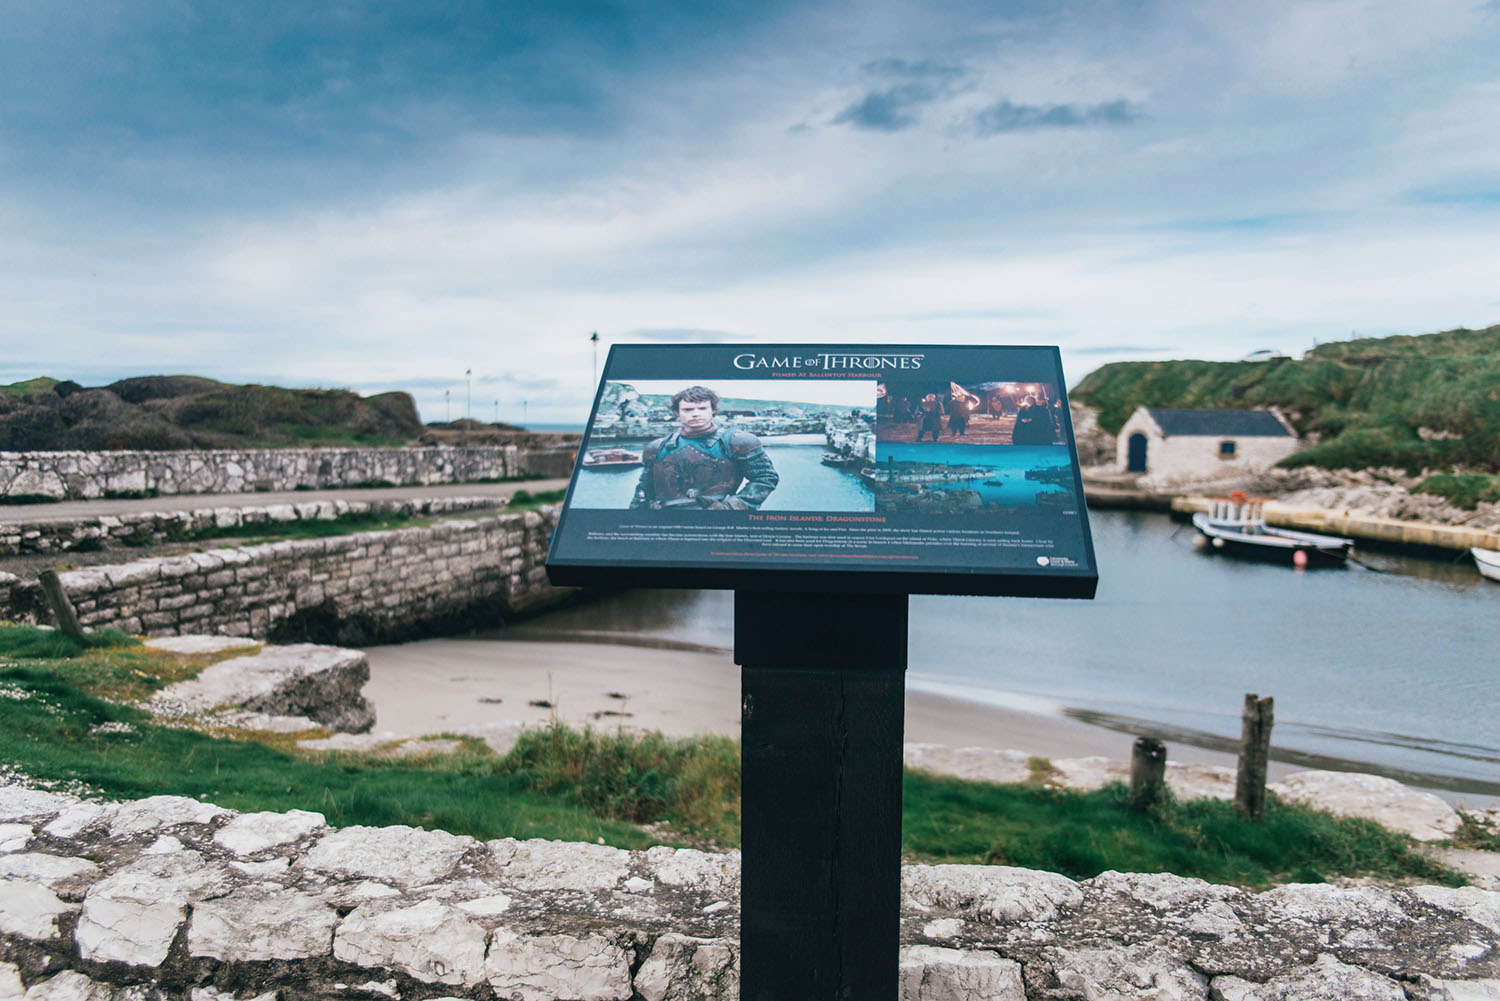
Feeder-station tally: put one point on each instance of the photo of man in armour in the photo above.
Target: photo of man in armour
(703, 465)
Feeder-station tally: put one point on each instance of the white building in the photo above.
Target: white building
(1184, 445)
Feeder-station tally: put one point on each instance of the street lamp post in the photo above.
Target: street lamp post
(468, 394)
(594, 339)
(447, 407)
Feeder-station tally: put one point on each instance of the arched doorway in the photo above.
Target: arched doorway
(1137, 458)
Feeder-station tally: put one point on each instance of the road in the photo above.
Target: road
(86, 509)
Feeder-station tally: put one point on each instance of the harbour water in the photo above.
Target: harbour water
(1392, 666)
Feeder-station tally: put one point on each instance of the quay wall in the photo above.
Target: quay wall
(87, 475)
(350, 590)
(1391, 531)
(148, 528)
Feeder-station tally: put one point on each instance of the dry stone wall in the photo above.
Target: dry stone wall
(145, 528)
(172, 898)
(84, 475)
(351, 589)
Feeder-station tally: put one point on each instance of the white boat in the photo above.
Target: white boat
(1237, 525)
(1488, 562)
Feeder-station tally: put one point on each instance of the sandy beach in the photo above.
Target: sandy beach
(487, 687)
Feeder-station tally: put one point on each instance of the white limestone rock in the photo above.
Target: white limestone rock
(1385, 801)
(1136, 973)
(1199, 905)
(1325, 980)
(303, 679)
(560, 865)
(256, 832)
(1093, 772)
(1432, 989)
(155, 812)
(262, 921)
(981, 764)
(930, 973)
(79, 817)
(214, 994)
(199, 644)
(132, 916)
(30, 910)
(716, 874)
(11, 988)
(15, 837)
(56, 873)
(19, 803)
(547, 967)
(1480, 906)
(1321, 905)
(489, 906)
(430, 941)
(406, 856)
(681, 968)
(70, 986)
(992, 893)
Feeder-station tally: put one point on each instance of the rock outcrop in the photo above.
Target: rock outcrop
(174, 898)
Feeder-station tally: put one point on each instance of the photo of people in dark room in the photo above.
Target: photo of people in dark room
(980, 413)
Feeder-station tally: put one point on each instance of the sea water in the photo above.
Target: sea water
(1394, 666)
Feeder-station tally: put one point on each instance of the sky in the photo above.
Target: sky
(387, 196)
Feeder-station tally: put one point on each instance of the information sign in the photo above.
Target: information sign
(913, 469)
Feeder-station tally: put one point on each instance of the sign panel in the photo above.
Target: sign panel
(909, 469)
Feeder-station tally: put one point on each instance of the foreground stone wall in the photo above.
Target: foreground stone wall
(351, 589)
(82, 475)
(174, 898)
(147, 528)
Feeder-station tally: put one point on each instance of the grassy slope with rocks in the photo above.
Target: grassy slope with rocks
(158, 413)
(1414, 402)
(66, 722)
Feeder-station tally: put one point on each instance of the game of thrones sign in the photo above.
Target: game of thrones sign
(911, 469)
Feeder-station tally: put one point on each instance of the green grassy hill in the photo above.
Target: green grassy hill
(182, 411)
(1428, 401)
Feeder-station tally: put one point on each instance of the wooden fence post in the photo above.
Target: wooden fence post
(1148, 771)
(1255, 755)
(62, 609)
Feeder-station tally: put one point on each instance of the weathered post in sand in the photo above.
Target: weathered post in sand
(62, 609)
(1148, 773)
(1255, 755)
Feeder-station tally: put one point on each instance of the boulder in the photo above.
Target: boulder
(321, 683)
(1385, 801)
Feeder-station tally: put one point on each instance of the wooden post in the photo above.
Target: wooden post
(62, 608)
(1148, 773)
(1255, 755)
(822, 680)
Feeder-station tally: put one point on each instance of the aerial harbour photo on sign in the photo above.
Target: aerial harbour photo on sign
(703, 502)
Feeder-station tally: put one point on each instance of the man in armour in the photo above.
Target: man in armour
(703, 465)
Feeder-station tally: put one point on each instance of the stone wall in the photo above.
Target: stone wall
(352, 589)
(82, 475)
(173, 898)
(146, 528)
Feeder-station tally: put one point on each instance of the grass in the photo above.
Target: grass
(1081, 834)
(348, 524)
(1464, 490)
(525, 500)
(19, 499)
(582, 785)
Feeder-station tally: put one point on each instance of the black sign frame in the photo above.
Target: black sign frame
(577, 558)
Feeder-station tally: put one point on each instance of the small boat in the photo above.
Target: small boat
(1488, 562)
(1237, 525)
(843, 460)
(611, 458)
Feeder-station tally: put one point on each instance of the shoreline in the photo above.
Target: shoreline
(494, 687)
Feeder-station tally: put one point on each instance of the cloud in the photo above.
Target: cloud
(683, 335)
(1124, 349)
(926, 69)
(889, 110)
(1006, 116)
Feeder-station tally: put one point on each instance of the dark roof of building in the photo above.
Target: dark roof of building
(1218, 423)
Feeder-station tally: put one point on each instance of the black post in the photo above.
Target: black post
(822, 683)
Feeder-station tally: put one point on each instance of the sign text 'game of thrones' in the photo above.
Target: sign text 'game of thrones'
(917, 469)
